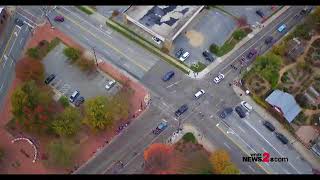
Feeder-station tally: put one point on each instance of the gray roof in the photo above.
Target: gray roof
(286, 103)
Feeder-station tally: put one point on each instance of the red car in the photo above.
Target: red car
(59, 18)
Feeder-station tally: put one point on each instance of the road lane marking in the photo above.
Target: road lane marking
(174, 83)
(227, 145)
(251, 168)
(5, 49)
(241, 129)
(1, 85)
(21, 41)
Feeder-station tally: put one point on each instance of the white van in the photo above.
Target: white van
(199, 93)
(74, 95)
(246, 106)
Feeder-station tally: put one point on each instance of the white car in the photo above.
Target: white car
(157, 40)
(184, 56)
(282, 28)
(218, 78)
(110, 84)
(199, 93)
(246, 106)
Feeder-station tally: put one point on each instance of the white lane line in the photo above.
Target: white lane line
(1, 86)
(271, 145)
(251, 168)
(241, 129)
(174, 83)
(26, 18)
(85, 38)
(271, 29)
(225, 74)
(227, 145)
(21, 41)
(14, 42)
(5, 61)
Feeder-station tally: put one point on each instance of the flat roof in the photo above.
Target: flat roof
(165, 21)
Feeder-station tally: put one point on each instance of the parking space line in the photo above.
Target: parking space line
(174, 83)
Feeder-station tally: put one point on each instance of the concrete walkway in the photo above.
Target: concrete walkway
(298, 146)
(204, 72)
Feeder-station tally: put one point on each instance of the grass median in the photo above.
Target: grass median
(147, 45)
(85, 10)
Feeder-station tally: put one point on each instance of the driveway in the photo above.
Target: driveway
(210, 26)
(106, 11)
(70, 78)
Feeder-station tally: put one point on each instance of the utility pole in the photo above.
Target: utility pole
(45, 10)
(95, 57)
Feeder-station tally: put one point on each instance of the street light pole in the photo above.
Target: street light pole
(46, 14)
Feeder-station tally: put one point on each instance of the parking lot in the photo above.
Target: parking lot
(210, 26)
(70, 78)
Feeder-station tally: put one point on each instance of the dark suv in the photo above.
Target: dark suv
(50, 78)
(252, 53)
(282, 138)
(268, 40)
(208, 56)
(168, 76)
(269, 126)
(181, 110)
(226, 112)
(240, 112)
(79, 101)
(179, 53)
(260, 13)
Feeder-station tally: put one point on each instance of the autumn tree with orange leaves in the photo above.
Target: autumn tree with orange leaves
(162, 159)
(221, 163)
(30, 69)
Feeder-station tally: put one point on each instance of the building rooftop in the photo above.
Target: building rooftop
(165, 21)
(286, 103)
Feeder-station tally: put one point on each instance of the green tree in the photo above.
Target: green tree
(61, 153)
(230, 169)
(64, 101)
(120, 104)
(33, 53)
(72, 53)
(279, 49)
(239, 34)
(67, 123)
(219, 159)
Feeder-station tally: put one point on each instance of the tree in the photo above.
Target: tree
(161, 159)
(72, 53)
(242, 21)
(239, 34)
(230, 169)
(196, 162)
(219, 159)
(67, 123)
(64, 101)
(214, 48)
(120, 104)
(61, 153)
(33, 53)
(115, 13)
(28, 69)
(279, 49)
(302, 100)
(97, 115)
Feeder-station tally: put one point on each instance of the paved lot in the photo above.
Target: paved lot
(69, 78)
(107, 10)
(250, 12)
(213, 26)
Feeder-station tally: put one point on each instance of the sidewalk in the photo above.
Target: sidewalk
(298, 146)
(241, 43)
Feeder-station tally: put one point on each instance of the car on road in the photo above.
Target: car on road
(184, 56)
(282, 138)
(240, 112)
(252, 53)
(226, 112)
(200, 93)
(181, 110)
(110, 84)
(162, 126)
(260, 13)
(157, 40)
(269, 126)
(79, 101)
(218, 78)
(268, 40)
(19, 22)
(59, 18)
(168, 76)
(49, 78)
(179, 53)
(246, 106)
(74, 96)
(282, 28)
(208, 56)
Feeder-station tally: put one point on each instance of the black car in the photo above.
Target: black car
(268, 40)
(252, 53)
(79, 101)
(179, 53)
(181, 110)
(282, 138)
(226, 112)
(50, 78)
(240, 112)
(19, 22)
(260, 13)
(269, 126)
(168, 76)
(208, 56)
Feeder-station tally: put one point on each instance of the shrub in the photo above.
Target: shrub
(33, 53)
(85, 10)
(198, 67)
(189, 137)
(85, 64)
(64, 101)
(214, 48)
(53, 43)
(72, 53)
(239, 34)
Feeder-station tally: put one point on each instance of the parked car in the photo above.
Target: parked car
(79, 101)
(59, 18)
(269, 126)
(252, 53)
(162, 126)
(240, 112)
(168, 76)
(49, 78)
(110, 84)
(268, 40)
(184, 56)
(226, 112)
(282, 138)
(260, 13)
(179, 53)
(282, 28)
(218, 78)
(208, 56)
(19, 22)
(74, 96)
(181, 110)
(246, 106)
(157, 40)
(200, 93)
